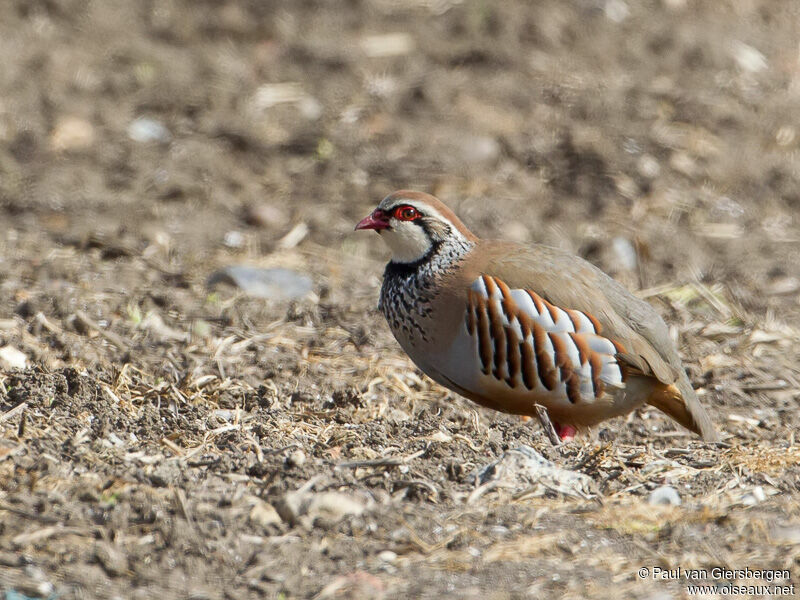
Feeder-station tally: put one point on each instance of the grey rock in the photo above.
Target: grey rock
(276, 284)
(324, 509)
(666, 495)
(263, 514)
(524, 469)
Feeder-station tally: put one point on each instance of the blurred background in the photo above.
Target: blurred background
(146, 147)
(575, 123)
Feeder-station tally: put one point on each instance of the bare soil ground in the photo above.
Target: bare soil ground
(170, 441)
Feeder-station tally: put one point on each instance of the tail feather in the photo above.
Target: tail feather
(680, 402)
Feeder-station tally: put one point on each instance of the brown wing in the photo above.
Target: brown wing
(570, 282)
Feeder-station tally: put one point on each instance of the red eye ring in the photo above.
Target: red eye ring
(406, 213)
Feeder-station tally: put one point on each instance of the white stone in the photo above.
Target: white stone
(145, 130)
(72, 133)
(748, 58)
(625, 253)
(666, 495)
(11, 358)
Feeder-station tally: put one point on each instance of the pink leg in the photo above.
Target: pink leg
(565, 432)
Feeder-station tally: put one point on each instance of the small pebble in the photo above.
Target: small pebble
(480, 149)
(729, 207)
(387, 44)
(310, 108)
(756, 496)
(309, 508)
(781, 286)
(517, 232)
(786, 135)
(296, 459)
(265, 215)
(272, 94)
(748, 58)
(155, 325)
(11, 358)
(616, 11)
(145, 130)
(666, 495)
(387, 556)
(683, 163)
(72, 133)
(626, 186)
(264, 514)
(625, 253)
(224, 414)
(296, 235)
(648, 166)
(233, 239)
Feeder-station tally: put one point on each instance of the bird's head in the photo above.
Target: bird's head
(414, 225)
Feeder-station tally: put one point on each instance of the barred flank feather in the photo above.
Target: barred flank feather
(522, 339)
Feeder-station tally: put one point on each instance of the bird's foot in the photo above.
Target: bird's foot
(566, 433)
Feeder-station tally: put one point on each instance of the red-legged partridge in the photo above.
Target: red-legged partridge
(511, 326)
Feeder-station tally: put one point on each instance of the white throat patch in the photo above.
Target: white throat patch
(407, 241)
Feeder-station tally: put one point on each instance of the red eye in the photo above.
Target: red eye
(406, 213)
